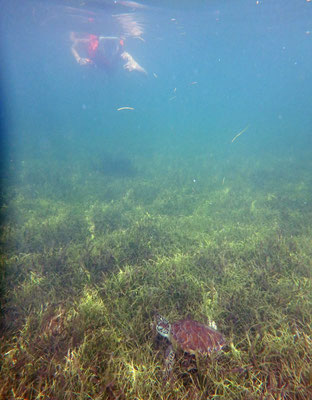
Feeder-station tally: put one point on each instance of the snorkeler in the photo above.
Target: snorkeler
(105, 52)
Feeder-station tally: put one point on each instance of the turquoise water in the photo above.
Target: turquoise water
(213, 69)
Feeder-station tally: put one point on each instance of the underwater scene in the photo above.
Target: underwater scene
(156, 200)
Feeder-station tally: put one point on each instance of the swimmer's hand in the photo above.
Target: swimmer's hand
(84, 61)
(131, 64)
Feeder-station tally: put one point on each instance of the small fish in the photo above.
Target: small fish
(239, 133)
(125, 108)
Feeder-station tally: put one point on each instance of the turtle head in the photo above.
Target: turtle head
(162, 326)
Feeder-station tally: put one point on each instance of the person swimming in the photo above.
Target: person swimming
(105, 52)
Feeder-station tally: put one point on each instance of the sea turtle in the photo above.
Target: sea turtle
(189, 336)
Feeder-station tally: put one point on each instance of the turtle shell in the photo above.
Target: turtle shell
(194, 337)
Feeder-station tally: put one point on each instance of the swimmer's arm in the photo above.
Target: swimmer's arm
(73, 49)
(80, 60)
(75, 53)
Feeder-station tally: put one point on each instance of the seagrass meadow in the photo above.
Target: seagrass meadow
(90, 256)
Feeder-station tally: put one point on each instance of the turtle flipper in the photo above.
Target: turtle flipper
(170, 357)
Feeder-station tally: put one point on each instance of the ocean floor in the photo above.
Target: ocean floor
(93, 250)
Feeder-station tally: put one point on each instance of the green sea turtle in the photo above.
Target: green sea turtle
(189, 336)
